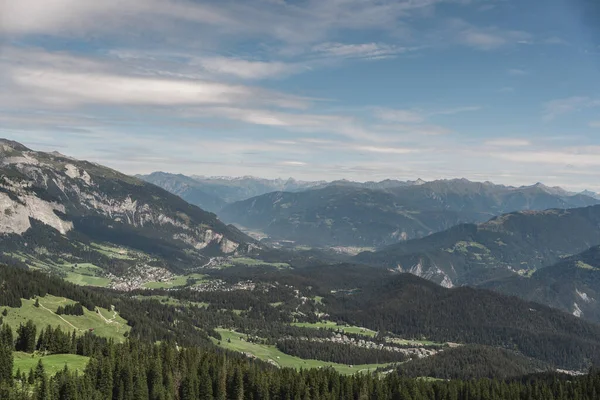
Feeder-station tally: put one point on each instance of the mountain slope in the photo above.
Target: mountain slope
(375, 215)
(213, 193)
(412, 307)
(571, 285)
(336, 215)
(471, 254)
(473, 362)
(50, 203)
(187, 188)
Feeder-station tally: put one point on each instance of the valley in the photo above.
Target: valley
(164, 272)
(299, 200)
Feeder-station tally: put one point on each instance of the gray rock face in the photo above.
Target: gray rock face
(72, 196)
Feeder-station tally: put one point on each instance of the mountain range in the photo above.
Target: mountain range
(213, 193)
(51, 204)
(534, 274)
(369, 215)
(516, 242)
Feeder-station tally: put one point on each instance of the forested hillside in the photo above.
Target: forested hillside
(571, 285)
(512, 243)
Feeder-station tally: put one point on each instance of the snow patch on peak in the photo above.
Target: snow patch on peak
(577, 311)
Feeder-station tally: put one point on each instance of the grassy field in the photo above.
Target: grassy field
(177, 281)
(84, 274)
(87, 280)
(332, 325)
(405, 342)
(252, 262)
(113, 252)
(172, 301)
(105, 323)
(273, 355)
(52, 364)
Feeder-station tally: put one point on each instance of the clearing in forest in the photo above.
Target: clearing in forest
(103, 322)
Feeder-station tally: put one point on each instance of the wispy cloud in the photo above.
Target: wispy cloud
(69, 17)
(490, 38)
(248, 69)
(578, 157)
(556, 108)
(294, 163)
(60, 80)
(70, 89)
(517, 72)
(305, 22)
(594, 124)
(385, 150)
(401, 116)
(363, 50)
(508, 142)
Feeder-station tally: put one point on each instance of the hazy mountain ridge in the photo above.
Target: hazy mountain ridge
(213, 193)
(351, 214)
(78, 197)
(472, 254)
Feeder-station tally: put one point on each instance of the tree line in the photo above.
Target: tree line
(140, 370)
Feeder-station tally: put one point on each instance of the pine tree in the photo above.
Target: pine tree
(238, 385)
(42, 391)
(40, 371)
(221, 393)
(31, 377)
(205, 389)
(6, 355)
(26, 335)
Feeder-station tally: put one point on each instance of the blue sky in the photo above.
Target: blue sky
(499, 90)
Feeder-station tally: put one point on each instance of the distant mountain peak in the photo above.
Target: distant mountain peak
(589, 193)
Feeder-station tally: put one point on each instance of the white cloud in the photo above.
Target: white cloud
(294, 163)
(517, 72)
(401, 116)
(66, 17)
(482, 40)
(385, 150)
(249, 69)
(36, 77)
(585, 157)
(594, 124)
(305, 22)
(490, 39)
(508, 142)
(364, 50)
(556, 108)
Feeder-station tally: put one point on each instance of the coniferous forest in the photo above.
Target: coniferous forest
(140, 370)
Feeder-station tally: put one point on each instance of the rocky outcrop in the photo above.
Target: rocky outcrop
(58, 191)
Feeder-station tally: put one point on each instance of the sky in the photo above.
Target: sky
(506, 91)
